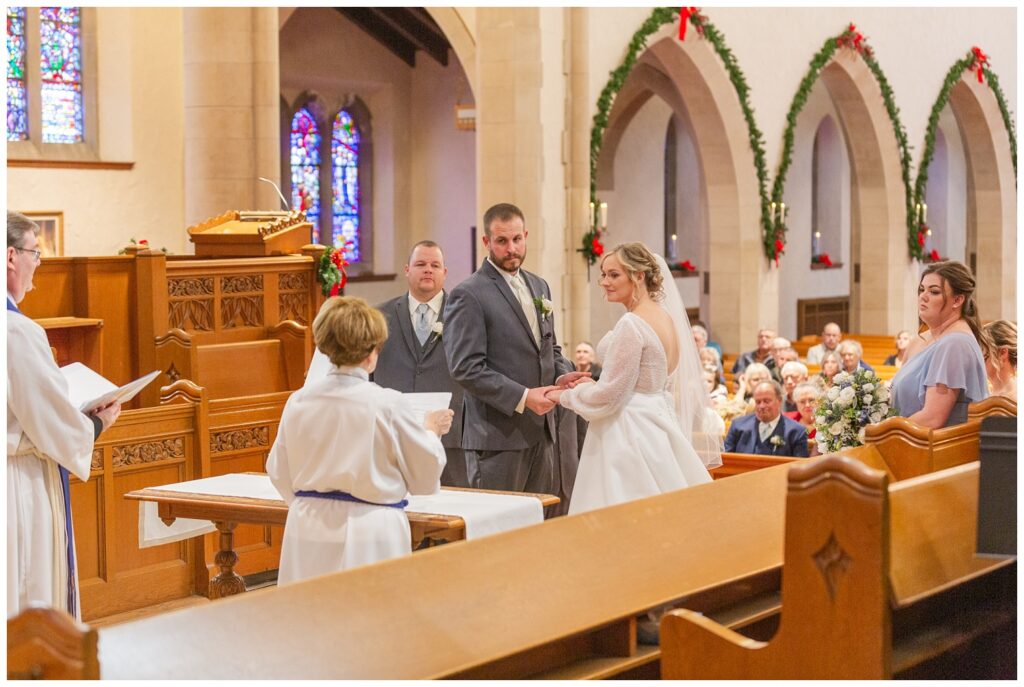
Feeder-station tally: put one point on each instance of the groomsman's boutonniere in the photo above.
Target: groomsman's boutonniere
(437, 328)
(544, 305)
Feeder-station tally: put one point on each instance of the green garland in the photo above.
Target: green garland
(969, 62)
(849, 38)
(659, 17)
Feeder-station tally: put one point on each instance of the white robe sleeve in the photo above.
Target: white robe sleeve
(418, 451)
(619, 376)
(277, 462)
(37, 395)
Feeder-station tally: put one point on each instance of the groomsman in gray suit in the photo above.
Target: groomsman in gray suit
(412, 359)
(500, 343)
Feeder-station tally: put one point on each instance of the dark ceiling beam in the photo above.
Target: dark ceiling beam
(382, 31)
(420, 29)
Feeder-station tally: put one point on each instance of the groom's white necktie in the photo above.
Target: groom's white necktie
(529, 309)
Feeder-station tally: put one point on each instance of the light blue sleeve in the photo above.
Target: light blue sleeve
(957, 362)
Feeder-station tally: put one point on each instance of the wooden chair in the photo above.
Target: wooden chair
(992, 406)
(47, 644)
(878, 581)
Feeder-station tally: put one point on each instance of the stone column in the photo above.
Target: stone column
(577, 196)
(231, 110)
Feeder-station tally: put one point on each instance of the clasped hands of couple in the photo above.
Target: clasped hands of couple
(542, 399)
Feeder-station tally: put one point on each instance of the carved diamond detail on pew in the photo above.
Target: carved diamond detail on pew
(832, 561)
(172, 373)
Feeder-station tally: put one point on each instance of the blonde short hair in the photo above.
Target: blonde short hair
(347, 329)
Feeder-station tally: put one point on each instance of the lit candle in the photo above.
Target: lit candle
(924, 206)
(773, 210)
(782, 213)
(591, 215)
(604, 216)
(817, 234)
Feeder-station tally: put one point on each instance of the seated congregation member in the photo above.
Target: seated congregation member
(767, 431)
(830, 367)
(851, 353)
(348, 451)
(900, 356)
(762, 354)
(831, 335)
(48, 439)
(586, 360)
(710, 360)
(806, 395)
(793, 373)
(945, 368)
(786, 354)
(702, 338)
(412, 359)
(751, 377)
(716, 391)
(1001, 362)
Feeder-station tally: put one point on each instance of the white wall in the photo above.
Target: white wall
(947, 191)
(141, 120)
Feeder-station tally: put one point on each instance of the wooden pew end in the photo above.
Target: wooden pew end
(47, 644)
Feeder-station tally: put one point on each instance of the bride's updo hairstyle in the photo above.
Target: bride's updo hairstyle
(637, 259)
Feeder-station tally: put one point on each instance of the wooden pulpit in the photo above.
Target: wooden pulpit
(251, 234)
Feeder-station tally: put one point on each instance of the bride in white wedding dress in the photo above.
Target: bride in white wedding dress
(649, 428)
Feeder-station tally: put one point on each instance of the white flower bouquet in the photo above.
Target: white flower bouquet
(852, 403)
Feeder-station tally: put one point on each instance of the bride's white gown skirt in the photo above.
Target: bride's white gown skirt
(635, 453)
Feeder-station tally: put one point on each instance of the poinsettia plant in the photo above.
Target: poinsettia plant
(685, 266)
(331, 272)
(592, 248)
(822, 259)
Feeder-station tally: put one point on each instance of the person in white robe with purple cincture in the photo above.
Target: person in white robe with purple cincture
(349, 451)
(48, 439)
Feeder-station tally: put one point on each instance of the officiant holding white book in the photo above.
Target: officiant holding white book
(48, 439)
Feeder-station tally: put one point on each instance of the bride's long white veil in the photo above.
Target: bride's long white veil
(692, 402)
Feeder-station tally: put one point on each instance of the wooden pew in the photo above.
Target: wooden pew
(993, 406)
(905, 449)
(740, 463)
(879, 581)
(543, 601)
(47, 644)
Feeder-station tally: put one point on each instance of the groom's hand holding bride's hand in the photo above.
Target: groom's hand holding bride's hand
(537, 400)
(571, 379)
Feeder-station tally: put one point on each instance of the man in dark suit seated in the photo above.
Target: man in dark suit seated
(412, 359)
(766, 431)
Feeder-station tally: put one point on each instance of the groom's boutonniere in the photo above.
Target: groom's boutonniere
(544, 305)
(437, 328)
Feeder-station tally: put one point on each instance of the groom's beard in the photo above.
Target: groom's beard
(510, 263)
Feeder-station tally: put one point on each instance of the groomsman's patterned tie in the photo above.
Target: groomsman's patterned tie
(422, 325)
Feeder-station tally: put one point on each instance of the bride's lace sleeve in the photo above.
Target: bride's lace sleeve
(618, 376)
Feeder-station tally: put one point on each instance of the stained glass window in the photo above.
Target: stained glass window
(60, 64)
(17, 94)
(345, 183)
(305, 161)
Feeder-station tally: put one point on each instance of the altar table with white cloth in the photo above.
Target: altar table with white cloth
(179, 511)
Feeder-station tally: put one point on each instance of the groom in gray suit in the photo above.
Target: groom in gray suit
(412, 359)
(501, 347)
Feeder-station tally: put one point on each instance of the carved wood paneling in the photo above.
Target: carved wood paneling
(190, 286)
(241, 311)
(292, 306)
(236, 440)
(191, 315)
(97, 459)
(149, 452)
(292, 281)
(242, 283)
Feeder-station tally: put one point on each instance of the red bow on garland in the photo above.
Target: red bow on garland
(338, 258)
(684, 19)
(779, 248)
(980, 62)
(853, 38)
(597, 247)
(934, 255)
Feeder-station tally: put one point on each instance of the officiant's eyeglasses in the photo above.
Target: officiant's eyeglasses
(37, 254)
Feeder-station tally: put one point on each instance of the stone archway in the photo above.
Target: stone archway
(991, 197)
(456, 28)
(882, 279)
(739, 291)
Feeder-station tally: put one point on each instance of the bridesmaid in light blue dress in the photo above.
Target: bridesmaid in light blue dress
(945, 368)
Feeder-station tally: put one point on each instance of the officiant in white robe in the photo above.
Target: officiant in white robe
(348, 452)
(48, 438)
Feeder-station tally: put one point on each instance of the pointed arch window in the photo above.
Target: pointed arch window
(345, 185)
(17, 89)
(305, 167)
